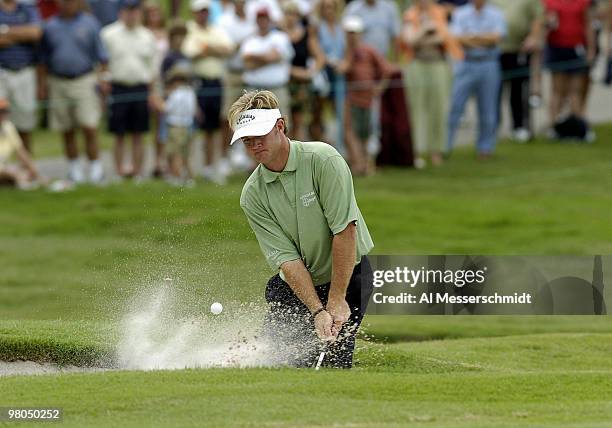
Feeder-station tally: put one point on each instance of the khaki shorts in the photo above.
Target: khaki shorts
(19, 88)
(179, 138)
(74, 102)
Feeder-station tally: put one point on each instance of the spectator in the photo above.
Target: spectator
(207, 45)
(154, 20)
(47, 8)
(367, 72)
(275, 12)
(306, 62)
(176, 37)
(105, 11)
(333, 44)
(479, 27)
(179, 110)
(524, 19)
(131, 48)
(451, 5)
(381, 23)
(267, 59)
(20, 30)
(427, 41)
(10, 143)
(570, 51)
(71, 50)
(239, 27)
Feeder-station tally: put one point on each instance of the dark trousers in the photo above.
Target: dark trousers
(515, 69)
(289, 327)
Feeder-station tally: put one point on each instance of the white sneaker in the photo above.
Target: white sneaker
(590, 136)
(420, 163)
(373, 145)
(224, 166)
(212, 173)
(96, 172)
(75, 172)
(521, 135)
(239, 159)
(208, 172)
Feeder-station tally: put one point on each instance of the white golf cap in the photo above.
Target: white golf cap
(255, 123)
(352, 24)
(197, 5)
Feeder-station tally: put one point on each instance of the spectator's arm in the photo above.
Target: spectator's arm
(424, 36)
(23, 34)
(487, 40)
(314, 48)
(590, 36)
(41, 81)
(26, 161)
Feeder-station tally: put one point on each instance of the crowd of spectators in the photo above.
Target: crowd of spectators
(328, 63)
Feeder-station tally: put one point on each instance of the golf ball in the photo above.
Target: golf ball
(216, 308)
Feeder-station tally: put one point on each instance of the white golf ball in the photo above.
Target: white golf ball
(216, 308)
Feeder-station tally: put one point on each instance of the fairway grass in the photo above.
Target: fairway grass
(72, 261)
(469, 382)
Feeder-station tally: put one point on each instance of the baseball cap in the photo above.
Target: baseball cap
(255, 123)
(129, 4)
(197, 5)
(352, 24)
(263, 11)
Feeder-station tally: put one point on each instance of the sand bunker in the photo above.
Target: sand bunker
(14, 368)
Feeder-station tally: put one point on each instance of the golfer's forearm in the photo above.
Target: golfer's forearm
(300, 282)
(344, 246)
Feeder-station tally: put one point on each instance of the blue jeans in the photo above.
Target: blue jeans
(482, 79)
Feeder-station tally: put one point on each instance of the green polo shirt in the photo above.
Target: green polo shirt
(295, 213)
(520, 15)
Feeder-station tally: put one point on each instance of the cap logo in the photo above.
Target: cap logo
(244, 119)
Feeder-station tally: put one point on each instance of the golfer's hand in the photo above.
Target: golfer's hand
(323, 326)
(340, 313)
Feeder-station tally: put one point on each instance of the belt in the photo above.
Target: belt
(14, 68)
(71, 76)
(481, 58)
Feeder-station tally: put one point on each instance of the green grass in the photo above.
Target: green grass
(472, 382)
(71, 261)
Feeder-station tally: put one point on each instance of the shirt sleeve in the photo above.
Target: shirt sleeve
(336, 194)
(456, 26)
(275, 245)
(500, 26)
(33, 16)
(224, 39)
(396, 27)
(191, 48)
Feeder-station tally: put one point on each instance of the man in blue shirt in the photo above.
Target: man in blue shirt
(20, 30)
(479, 27)
(71, 52)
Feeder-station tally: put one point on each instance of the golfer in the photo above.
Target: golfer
(300, 203)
